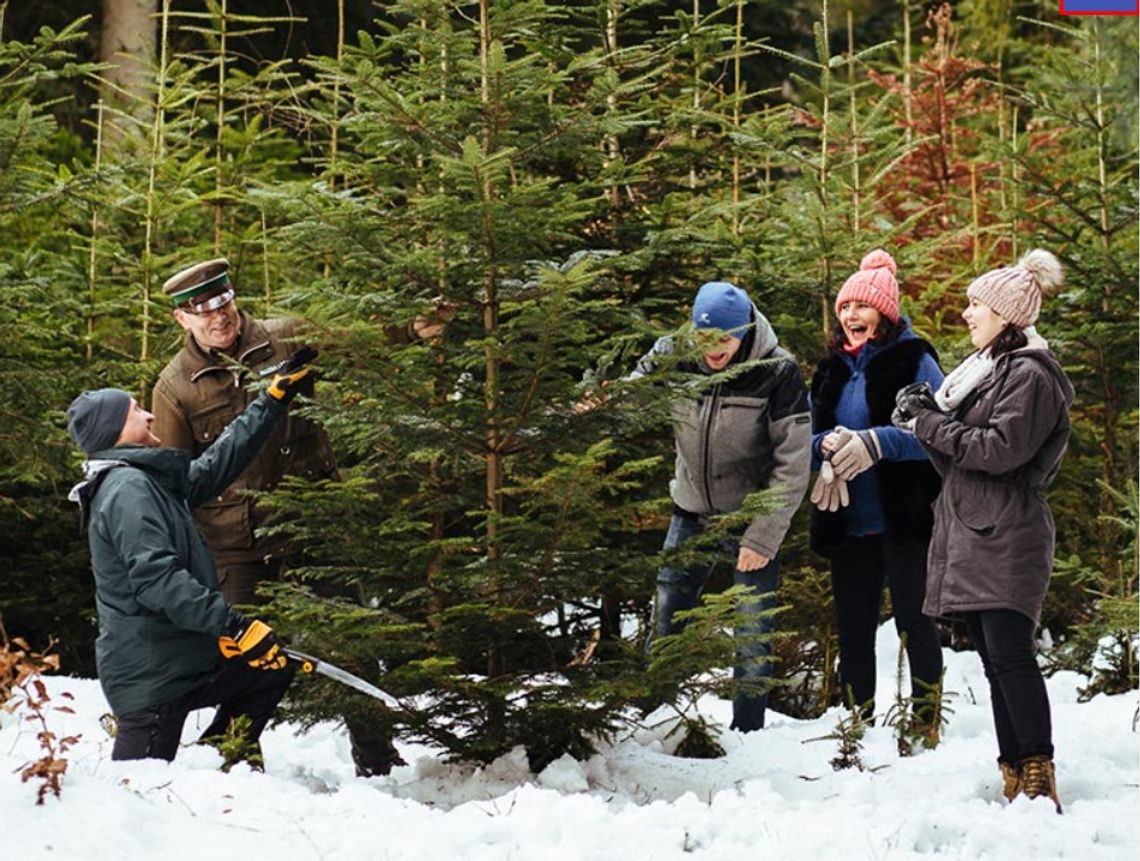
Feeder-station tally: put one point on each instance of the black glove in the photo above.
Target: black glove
(913, 399)
(901, 422)
(287, 375)
(255, 643)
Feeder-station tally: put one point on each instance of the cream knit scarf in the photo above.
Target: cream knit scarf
(974, 368)
(963, 380)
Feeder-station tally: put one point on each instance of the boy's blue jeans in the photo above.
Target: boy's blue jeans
(680, 589)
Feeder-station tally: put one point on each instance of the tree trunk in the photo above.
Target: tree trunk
(220, 127)
(128, 44)
(494, 455)
(155, 156)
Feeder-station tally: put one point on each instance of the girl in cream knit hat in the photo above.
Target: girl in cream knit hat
(996, 431)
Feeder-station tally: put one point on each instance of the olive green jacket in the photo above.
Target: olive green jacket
(199, 393)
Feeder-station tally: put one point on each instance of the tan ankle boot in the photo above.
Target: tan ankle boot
(1039, 777)
(1011, 780)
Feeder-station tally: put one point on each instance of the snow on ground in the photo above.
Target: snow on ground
(773, 795)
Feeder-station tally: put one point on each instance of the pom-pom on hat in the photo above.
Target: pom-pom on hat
(724, 306)
(96, 418)
(1014, 293)
(874, 284)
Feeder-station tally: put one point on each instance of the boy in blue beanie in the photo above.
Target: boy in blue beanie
(746, 433)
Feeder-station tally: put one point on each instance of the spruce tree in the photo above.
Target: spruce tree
(472, 160)
(41, 338)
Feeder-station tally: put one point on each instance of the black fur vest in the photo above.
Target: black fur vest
(907, 489)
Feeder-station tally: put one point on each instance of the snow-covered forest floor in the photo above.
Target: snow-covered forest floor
(774, 794)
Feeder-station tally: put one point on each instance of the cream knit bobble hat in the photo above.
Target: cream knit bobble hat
(1014, 293)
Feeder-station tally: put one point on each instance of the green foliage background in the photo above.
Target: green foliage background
(559, 176)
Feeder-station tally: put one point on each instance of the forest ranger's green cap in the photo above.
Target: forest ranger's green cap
(202, 287)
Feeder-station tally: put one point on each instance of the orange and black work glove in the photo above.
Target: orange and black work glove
(288, 375)
(257, 645)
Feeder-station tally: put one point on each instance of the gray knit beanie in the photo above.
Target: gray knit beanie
(1014, 292)
(95, 419)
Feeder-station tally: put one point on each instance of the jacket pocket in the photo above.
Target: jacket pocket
(744, 402)
(979, 506)
(226, 524)
(738, 412)
(209, 423)
(741, 431)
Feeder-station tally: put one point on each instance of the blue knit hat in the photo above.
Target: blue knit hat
(724, 306)
(95, 419)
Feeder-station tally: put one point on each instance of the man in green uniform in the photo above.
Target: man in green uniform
(199, 392)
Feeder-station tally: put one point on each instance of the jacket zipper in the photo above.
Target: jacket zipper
(252, 349)
(706, 454)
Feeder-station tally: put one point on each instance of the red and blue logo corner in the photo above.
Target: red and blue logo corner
(1100, 7)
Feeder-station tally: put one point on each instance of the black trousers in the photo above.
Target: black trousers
(859, 569)
(1022, 720)
(237, 689)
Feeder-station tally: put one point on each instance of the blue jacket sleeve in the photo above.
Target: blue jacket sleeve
(897, 444)
(816, 456)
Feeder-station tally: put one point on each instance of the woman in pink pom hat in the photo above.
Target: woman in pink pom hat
(872, 501)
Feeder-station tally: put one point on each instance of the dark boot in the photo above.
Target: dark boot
(1011, 780)
(1038, 777)
(373, 753)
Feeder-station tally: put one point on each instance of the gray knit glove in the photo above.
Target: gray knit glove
(829, 492)
(913, 399)
(860, 453)
(910, 401)
(901, 419)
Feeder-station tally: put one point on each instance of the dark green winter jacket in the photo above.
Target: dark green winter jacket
(156, 590)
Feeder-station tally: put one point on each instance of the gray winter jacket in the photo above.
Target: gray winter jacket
(748, 432)
(156, 589)
(992, 545)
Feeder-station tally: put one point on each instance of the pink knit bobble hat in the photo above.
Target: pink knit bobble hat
(874, 284)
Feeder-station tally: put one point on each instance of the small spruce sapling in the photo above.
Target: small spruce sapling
(917, 721)
(700, 739)
(849, 733)
(235, 745)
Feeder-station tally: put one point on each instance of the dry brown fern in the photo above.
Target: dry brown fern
(22, 691)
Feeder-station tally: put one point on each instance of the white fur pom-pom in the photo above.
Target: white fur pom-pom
(1045, 268)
